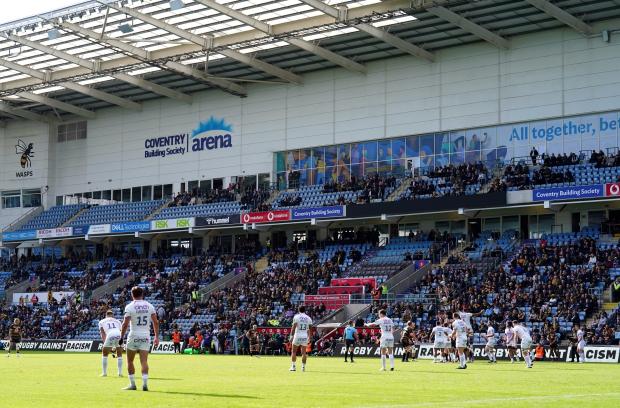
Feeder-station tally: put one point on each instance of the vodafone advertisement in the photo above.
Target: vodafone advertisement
(266, 216)
(612, 190)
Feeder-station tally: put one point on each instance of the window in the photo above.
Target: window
(192, 186)
(106, 195)
(157, 193)
(146, 193)
(167, 190)
(68, 132)
(97, 195)
(116, 195)
(11, 199)
(136, 194)
(263, 181)
(59, 200)
(205, 186)
(126, 195)
(31, 198)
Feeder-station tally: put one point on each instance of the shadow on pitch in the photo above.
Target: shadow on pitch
(205, 394)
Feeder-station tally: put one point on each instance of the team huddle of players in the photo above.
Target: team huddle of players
(452, 340)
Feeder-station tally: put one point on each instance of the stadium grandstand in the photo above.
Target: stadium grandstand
(426, 160)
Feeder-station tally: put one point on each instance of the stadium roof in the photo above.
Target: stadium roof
(104, 53)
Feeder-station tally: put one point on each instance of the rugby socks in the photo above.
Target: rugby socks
(383, 361)
(132, 380)
(346, 351)
(462, 359)
(582, 357)
(119, 364)
(145, 380)
(104, 363)
(527, 359)
(392, 361)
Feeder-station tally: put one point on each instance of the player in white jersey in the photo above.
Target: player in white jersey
(110, 331)
(511, 342)
(138, 317)
(387, 338)
(581, 345)
(441, 342)
(521, 332)
(466, 317)
(460, 333)
(490, 346)
(302, 323)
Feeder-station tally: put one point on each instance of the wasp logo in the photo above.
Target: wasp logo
(26, 153)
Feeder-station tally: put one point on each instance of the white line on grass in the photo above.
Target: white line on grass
(494, 400)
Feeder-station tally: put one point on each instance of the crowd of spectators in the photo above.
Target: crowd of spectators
(518, 177)
(600, 159)
(290, 201)
(251, 198)
(456, 178)
(265, 298)
(371, 187)
(553, 160)
(555, 282)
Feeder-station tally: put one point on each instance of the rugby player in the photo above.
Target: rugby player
(386, 343)
(521, 332)
(490, 346)
(581, 345)
(15, 337)
(406, 339)
(138, 317)
(460, 334)
(511, 342)
(110, 331)
(299, 337)
(440, 343)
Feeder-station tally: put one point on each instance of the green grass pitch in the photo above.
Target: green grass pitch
(72, 380)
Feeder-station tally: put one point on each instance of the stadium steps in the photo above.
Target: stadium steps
(110, 287)
(341, 316)
(395, 195)
(19, 287)
(77, 214)
(231, 278)
(406, 278)
(272, 197)
(158, 210)
(24, 219)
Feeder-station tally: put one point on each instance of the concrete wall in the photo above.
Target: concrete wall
(544, 75)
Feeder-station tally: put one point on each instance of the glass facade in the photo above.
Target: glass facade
(317, 165)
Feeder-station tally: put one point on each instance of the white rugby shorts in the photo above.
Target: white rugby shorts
(386, 342)
(112, 339)
(138, 343)
(461, 342)
(526, 344)
(300, 341)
